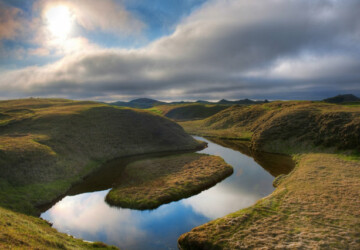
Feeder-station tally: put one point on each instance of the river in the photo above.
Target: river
(84, 214)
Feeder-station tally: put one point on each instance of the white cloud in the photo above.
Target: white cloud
(233, 48)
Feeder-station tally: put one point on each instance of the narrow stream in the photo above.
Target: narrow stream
(86, 215)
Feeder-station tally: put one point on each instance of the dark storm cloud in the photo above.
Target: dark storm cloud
(232, 49)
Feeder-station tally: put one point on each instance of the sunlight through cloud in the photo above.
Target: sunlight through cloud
(59, 21)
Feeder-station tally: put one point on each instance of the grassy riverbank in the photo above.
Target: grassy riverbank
(316, 205)
(150, 183)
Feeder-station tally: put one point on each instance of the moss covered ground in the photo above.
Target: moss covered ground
(150, 183)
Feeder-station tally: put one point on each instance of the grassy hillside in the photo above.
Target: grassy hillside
(316, 205)
(188, 111)
(285, 126)
(45, 145)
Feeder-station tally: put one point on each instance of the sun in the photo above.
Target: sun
(59, 21)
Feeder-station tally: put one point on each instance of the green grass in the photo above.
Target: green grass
(150, 183)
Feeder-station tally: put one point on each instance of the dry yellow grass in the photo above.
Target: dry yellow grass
(314, 207)
(150, 183)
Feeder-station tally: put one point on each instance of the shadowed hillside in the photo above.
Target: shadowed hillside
(191, 111)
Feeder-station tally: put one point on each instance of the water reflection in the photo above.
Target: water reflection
(87, 216)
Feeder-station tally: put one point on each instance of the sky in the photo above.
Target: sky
(112, 50)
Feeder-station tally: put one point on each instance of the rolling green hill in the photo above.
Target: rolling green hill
(56, 142)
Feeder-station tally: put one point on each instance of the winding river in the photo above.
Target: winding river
(84, 214)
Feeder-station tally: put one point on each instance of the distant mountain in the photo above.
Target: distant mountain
(244, 101)
(342, 99)
(203, 102)
(145, 103)
(141, 103)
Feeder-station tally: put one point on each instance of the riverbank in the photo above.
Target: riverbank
(147, 184)
(316, 205)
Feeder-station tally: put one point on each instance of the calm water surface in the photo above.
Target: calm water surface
(88, 216)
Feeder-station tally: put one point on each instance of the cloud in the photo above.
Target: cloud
(11, 23)
(39, 52)
(233, 49)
